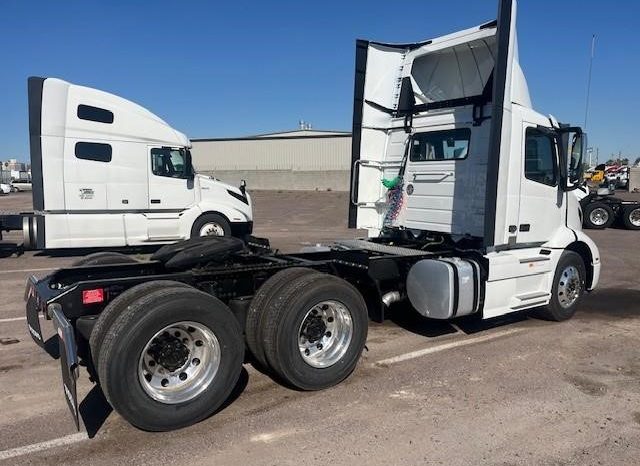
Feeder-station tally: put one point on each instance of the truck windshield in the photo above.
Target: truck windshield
(169, 162)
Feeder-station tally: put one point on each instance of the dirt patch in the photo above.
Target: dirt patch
(587, 386)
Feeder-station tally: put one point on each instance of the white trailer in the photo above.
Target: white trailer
(108, 173)
(475, 217)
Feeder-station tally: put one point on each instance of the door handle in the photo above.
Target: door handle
(155, 201)
(439, 175)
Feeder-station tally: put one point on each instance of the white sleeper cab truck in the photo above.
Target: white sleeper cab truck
(465, 191)
(109, 173)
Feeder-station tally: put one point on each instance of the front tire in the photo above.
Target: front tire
(211, 225)
(171, 359)
(569, 285)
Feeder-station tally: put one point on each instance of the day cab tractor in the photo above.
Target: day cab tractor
(476, 217)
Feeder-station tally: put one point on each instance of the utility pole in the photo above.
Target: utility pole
(586, 108)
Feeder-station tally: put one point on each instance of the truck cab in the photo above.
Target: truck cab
(448, 125)
(107, 173)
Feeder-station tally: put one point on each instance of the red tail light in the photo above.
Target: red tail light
(93, 296)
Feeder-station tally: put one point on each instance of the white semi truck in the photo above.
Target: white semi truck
(475, 217)
(108, 173)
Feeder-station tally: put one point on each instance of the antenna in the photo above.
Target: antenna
(586, 108)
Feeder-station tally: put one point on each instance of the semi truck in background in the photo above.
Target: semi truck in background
(108, 173)
(475, 218)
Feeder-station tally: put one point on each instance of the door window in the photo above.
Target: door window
(440, 145)
(540, 157)
(169, 162)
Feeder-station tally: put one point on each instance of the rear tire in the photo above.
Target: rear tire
(631, 217)
(141, 332)
(118, 306)
(315, 331)
(263, 299)
(104, 258)
(210, 225)
(567, 290)
(598, 216)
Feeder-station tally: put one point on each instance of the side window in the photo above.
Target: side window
(93, 151)
(540, 157)
(440, 145)
(101, 115)
(168, 162)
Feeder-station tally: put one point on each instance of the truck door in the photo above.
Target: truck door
(171, 191)
(419, 109)
(170, 184)
(541, 199)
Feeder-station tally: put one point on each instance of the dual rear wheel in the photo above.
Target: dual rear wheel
(167, 355)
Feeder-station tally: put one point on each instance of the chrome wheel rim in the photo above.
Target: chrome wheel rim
(179, 362)
(599, 216)
(569, 287)
(212, 229)
(325, 334)
(634, 217)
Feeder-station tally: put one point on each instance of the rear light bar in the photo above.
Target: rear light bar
(94, 296)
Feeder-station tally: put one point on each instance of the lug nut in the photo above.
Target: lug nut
(152, 363)
(319, 346)
(176, 334)
(328, 334)
(147, 376)
(185, 340)
(183, 376)
(164, 382)
(329, 319)
(307, 352)
(191, 329)
(195, 361)
(198, 342)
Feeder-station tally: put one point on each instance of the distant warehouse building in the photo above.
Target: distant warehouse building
(294, 160)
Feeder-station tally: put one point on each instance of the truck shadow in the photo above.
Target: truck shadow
(94, 408)
(608, 303)
(407, 318)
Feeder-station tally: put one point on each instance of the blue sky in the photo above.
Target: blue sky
(218, 69)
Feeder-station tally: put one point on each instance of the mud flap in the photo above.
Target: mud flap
(33, 314)
(68, 360)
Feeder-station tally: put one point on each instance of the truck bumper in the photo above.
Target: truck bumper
(240, 229)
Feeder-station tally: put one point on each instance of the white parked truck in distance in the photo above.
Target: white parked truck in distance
(108, 173)
(475, 217)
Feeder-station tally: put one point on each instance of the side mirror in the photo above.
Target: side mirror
(189, 171)
(573, 145)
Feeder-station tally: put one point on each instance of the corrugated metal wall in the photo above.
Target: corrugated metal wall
(271, 161)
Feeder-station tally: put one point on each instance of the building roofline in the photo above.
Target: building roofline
(267, 138)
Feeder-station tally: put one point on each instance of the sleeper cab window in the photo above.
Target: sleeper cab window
(100, 115)
(451, 144)
(540, 157)
(168, 162)
(93, 151)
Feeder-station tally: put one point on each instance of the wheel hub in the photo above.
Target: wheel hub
(179, 362)
(169, 351)
(314, 329)
(325, 334)
(569, 287)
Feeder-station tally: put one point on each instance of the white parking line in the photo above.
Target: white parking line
(35, 447)
(446, 346)
(27, 270)
(12, 319)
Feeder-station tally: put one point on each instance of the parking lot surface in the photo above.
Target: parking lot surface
(512, 391)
